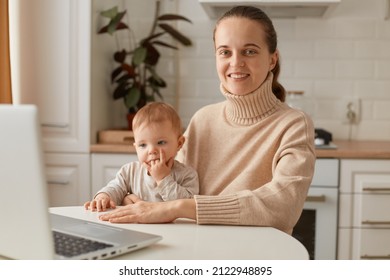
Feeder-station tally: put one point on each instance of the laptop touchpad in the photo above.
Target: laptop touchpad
(91, 229)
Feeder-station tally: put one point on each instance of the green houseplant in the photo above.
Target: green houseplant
(135, 77)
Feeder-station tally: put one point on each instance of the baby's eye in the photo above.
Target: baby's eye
(161, 142)
(142, 145)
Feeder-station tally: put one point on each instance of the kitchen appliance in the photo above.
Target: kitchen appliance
(317, 226)
(322, 137)
(274, 8)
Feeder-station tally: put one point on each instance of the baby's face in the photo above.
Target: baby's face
(153, 139)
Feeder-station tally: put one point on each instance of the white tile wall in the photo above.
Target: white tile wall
(343, 55)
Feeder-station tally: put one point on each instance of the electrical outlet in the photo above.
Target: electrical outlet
(351, 109)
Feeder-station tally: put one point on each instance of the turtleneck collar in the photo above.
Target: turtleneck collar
(250, 108)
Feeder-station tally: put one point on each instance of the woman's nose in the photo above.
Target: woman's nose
(236, 61)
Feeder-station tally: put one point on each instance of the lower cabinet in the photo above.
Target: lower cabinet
(364, 213)
(105, 166)
(68, 179)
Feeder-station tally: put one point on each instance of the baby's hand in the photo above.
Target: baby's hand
(130, 199)
(100, 203)
(161, 168)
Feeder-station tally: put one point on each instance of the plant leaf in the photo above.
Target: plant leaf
(147, 39)
(125, 78)
(115, 22)
(120, 91)
(110, 13)
(157, 83)
(173, 17)
(120, 56)
(160, 43)
(120, 25)
(129, 69)
(132, 97)
(139, 55)
(157, 80)
(152, 55)
(115, 73)
(176, 34)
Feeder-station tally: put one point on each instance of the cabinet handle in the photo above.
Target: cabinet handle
(316, 198)
(58, 125)
(58, 182)
(375, 257)
(376, 189)
(368, 222)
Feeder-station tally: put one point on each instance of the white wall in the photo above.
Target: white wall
(344, 56)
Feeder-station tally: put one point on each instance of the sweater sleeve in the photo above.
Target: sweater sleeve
(277, 203)
(118, 187)
(181, 183)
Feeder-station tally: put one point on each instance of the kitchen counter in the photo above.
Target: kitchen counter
(357, 150)
(345, 149)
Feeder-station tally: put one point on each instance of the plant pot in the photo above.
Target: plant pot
(130, 117)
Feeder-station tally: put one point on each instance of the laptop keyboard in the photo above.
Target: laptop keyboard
(70, 246)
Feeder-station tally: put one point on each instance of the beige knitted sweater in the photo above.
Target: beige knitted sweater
(255, 160)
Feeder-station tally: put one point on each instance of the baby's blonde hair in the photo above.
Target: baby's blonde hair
(156, 112)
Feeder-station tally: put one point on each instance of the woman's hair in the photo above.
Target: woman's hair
(258, 15)
(157, 112)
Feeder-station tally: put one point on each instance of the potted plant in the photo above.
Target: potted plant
(135, 77)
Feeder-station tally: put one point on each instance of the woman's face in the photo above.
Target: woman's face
(242, 55)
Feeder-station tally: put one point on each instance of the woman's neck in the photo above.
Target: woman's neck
(250, 108)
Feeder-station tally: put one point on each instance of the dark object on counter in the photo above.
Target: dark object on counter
(322, 137)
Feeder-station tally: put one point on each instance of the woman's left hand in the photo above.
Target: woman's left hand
(141, 212)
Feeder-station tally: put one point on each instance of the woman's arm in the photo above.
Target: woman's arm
(152, 212)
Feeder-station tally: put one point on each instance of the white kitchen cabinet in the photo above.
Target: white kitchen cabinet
(105, 167)
(51, 53)
(68, 179)
(50, 42)
(364, 213)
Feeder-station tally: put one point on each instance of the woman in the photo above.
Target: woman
(254, 155)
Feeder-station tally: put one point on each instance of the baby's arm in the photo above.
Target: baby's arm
(101, 202)
(185, 184)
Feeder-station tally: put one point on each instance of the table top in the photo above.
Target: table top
(186, 240)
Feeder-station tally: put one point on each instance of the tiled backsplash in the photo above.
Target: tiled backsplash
(343, 56)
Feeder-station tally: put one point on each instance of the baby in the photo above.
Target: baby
(156, 176)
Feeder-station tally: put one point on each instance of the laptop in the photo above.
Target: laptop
(28, 229)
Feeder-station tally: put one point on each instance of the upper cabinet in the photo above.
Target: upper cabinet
(273, 8)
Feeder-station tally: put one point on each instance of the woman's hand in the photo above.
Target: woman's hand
(152, 212)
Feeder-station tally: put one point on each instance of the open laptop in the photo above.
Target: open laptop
(27, 226)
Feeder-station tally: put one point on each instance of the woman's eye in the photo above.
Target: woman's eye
(224, 52)
(249, 52)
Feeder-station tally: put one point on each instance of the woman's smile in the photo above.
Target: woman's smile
(239, 76)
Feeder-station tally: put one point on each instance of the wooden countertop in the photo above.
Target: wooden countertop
(113, 148)
(357, 150)
(345, 149)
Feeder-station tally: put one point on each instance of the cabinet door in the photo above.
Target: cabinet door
(105, 167)
(50, 55)
(356, 244)
(68, 179)
(364, 210)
